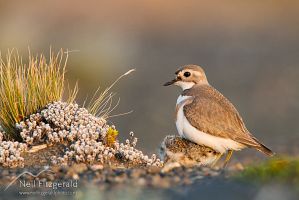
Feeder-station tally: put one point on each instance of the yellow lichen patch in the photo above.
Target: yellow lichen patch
(111, 136)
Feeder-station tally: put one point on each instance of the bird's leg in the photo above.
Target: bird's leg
(217, 159)
(228, 157)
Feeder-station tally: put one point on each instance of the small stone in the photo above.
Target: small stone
(96, 167)
(153, 169)
(75, 176)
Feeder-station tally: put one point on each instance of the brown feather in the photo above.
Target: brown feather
(212, 113)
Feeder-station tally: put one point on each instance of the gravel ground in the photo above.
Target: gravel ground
(82, 178)
(120, 179)
(118, 174)
(87, 182)
(97, 181)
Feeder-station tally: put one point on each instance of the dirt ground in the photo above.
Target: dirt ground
(117, 180)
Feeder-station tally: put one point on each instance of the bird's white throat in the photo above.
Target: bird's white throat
(185, 85)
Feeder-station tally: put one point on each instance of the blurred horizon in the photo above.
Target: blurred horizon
(249, 50)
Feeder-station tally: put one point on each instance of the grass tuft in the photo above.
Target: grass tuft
(28, 87)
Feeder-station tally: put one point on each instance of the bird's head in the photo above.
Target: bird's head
(188, 76)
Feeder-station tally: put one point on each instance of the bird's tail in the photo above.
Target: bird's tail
(262, 148)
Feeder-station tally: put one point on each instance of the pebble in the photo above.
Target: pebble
(96, 167)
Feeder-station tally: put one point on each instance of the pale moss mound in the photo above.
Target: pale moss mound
(85, 139)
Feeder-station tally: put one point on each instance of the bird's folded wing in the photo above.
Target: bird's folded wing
(216, 116)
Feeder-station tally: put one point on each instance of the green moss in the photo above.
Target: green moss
(283, 169)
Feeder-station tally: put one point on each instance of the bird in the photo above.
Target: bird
(176, 152)
(206, 117)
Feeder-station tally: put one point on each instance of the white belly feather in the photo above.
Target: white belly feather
(186, 130)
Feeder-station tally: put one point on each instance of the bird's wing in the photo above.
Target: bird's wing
(212, 113)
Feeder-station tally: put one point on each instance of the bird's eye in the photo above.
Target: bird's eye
(187, 74)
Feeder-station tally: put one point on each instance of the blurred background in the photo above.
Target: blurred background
(249, 50)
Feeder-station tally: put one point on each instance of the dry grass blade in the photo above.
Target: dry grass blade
(72, 93)
(101, 103)
(26, 88)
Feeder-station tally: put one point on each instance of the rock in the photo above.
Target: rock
(37, 148)
(75, 176)
(141, 181)
(176, 151)
(96, 167)
(153, 169)
(76, 169)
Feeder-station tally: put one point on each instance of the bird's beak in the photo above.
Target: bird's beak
(171, 82)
